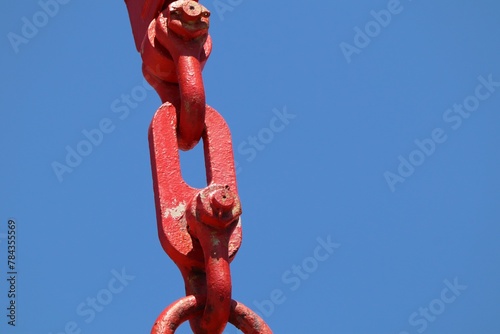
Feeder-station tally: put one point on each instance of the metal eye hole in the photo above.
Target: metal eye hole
(206, 14)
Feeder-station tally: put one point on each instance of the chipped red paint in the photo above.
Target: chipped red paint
(194, 234)
(200, 229)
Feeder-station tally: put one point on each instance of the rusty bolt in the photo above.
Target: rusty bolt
(216, 205)
(222, 199)
(191, 11)
(188, 19)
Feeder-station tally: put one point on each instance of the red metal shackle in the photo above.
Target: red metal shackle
(198, 228)
(178, 312)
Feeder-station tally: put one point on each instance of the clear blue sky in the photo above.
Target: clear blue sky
(370, 205)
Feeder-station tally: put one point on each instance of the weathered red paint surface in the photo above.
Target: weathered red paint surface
(199, 229)
(174, 47)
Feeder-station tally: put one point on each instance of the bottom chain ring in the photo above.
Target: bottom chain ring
(187, 307)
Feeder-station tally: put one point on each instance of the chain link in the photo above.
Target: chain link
(200, 229)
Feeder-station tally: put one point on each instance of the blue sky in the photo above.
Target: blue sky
(366, 135)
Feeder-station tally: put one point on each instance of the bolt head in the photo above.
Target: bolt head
(192, 10)
(216, 205)
(222, 199)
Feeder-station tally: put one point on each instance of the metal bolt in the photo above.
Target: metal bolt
(222, 199)
(191, 11)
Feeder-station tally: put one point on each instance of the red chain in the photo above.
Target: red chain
(200, 229)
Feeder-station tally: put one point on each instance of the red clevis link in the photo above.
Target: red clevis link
(200, 229)
(173, 55)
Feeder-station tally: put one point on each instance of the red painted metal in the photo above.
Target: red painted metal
(174, 51)
(141, 13)
(196, 233)
(174, 315)
(200, 229)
